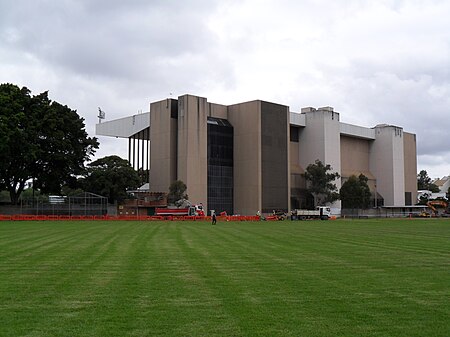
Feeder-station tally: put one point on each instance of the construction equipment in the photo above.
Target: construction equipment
(435, 204)
(193, 210)
(279, 215)
(321, 212)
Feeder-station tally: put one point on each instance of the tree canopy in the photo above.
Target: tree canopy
(355, 193)
(424, 182)
(110, 177)
(320, 182)
(40, 140)
(177, 191)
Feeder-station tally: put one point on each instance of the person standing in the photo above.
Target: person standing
(213, 218)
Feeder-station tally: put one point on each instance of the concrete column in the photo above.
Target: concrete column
(387, 164)
(163, 135)
(320, 139)
(192, 147)
(275, 167)
(246, 121)
(410, 152)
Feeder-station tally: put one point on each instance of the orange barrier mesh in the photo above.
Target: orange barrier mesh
(28, 217)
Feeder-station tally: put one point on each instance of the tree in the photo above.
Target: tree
(110, 177)
(320, 182)
(424, 182)
(16, 158)
(144, 175)
(177, 191)
(40, 140)
(355, 193)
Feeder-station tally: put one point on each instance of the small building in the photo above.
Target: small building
(143, 203)
(443, 184)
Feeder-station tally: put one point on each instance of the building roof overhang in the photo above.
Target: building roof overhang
(123, 127)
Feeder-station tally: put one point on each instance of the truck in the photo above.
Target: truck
(192, 210)
(321, 212)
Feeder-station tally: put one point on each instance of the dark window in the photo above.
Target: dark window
(294, 133)
(220, 165)
(408, 198)
(174, 108)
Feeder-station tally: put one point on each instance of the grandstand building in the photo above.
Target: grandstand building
(250, 156)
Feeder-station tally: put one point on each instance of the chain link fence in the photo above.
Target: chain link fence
(82, 204)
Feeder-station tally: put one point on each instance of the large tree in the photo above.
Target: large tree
(16, 158)
(111, 177)
(320, 182)
(355, 193)
(40, 140)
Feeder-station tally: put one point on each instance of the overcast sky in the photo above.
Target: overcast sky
(375, 62)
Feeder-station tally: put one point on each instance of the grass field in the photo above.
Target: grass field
(314, 278)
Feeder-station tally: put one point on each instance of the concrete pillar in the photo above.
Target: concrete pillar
(246, 121)
(163, 135)
(387, 164)
(320, 139)
(192, 163)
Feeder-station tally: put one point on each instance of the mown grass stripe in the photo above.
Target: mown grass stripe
(339, 278)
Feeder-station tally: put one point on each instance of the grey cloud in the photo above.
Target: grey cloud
(139, 50)
(414, 98)
(122, 55)
(111, 41)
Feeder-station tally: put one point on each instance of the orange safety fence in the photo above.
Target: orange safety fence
(31, 217)
(151, 217)
(128, 217)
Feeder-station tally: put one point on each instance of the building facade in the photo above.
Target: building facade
(250, 157)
